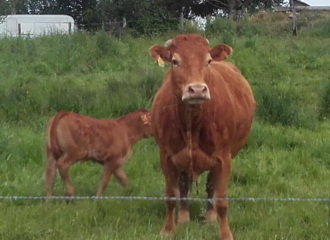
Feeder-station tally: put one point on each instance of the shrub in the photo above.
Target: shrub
(276, 106)
(220, 26)
(324, 110)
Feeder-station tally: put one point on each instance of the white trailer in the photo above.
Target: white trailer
(35, 25)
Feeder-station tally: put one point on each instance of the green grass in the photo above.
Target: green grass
(287, 154)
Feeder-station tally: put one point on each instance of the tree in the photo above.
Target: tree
(5, 8)
(13, 7)
(144, 16)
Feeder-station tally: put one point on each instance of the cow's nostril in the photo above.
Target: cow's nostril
(191, 90)
(204, 90)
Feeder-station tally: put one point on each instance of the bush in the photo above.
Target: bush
(220, 26)
(277, 106)
(282, 106)
(324, 111)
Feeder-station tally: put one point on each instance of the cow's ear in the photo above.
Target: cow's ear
(220, 52)
(160, 54)
(145, 118)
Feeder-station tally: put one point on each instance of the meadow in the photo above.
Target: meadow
(287, 154)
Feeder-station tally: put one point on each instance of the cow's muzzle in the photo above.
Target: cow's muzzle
(196, 93)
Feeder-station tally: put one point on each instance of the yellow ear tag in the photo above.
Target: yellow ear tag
(145, 119)
(160, 62)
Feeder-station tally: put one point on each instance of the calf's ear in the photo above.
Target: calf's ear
(220, 52)
(160, 54)
(145, 118)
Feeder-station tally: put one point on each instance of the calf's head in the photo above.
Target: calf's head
(191, 59)
(145, 123)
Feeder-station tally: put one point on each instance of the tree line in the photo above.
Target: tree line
(140, 14)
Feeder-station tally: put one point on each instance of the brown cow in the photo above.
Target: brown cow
(108, 142)
(201, 118)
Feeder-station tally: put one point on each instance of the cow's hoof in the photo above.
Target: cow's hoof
(167, 233)
(211, 216)
(226, 236)
(183, 216)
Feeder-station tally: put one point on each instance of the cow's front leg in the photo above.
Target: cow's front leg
(221, 178)
(172, 191)
(211, 214)
(185, 186)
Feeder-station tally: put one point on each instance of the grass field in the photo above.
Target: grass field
(287, 154)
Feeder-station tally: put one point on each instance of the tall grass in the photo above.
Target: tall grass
(287, 154)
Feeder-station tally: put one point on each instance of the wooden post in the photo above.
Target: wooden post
(181, 22)
(123, 30)
(70, 28)
(19, 30)
(294, 26)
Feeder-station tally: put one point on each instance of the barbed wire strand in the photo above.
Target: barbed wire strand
(249, 199)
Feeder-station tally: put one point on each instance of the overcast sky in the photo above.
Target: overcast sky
(317, 2)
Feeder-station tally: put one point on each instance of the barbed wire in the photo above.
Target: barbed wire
(249, 199)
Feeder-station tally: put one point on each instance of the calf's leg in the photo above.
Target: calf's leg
(63, 165)
(109, 167)
(121, 177)
(50, 173)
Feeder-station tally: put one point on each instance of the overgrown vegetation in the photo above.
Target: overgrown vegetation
(142, 17)
(287, 154)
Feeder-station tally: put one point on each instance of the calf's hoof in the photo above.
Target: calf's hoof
(183, 216)
(167, 233)
(211, 216)
(69, 198)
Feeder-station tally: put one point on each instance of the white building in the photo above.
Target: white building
(35, 25)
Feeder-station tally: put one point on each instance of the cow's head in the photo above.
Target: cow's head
(191, 59)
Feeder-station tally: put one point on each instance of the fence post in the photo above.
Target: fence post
(181, 22)
(19, 30)
(294, 26)
(70, 28)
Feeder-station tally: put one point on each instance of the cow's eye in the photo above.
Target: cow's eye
(175, 62)
(209, 62)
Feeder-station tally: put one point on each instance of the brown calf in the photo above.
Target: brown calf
(72, 137)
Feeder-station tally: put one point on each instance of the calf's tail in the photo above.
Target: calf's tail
(53, 152)
(52, 144)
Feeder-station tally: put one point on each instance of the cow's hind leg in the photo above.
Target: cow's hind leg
(172, 191)
(211, 214)
(121, 176)
(185, 186)
(50, 173)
